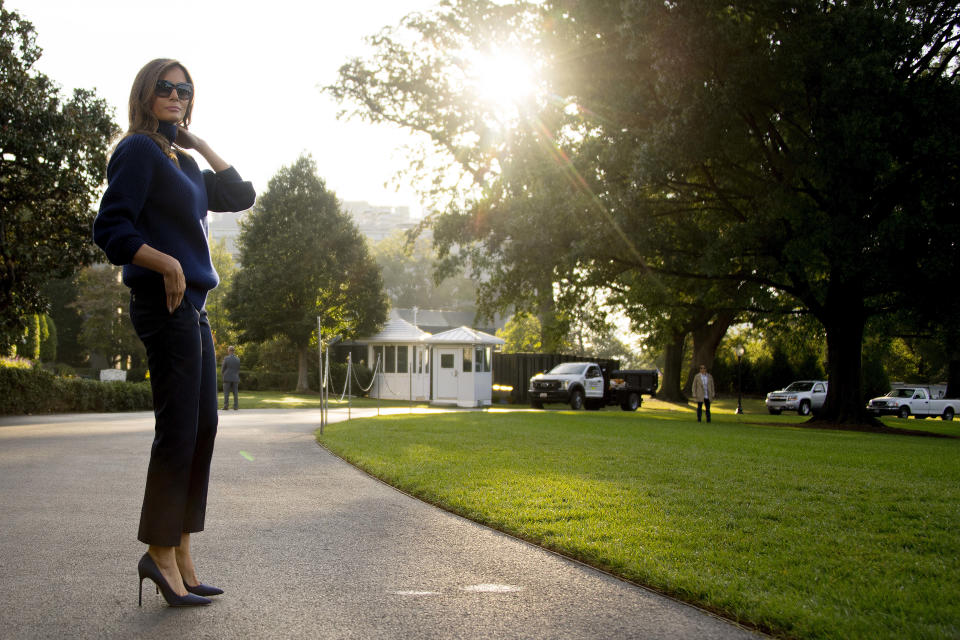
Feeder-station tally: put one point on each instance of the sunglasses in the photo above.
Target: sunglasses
(164, 88)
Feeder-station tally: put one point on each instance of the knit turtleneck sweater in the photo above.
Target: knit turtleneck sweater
(149, 200)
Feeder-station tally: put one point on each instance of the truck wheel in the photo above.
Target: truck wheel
(576, 399)
(947, 414)
(904, 412)
(804, 409)
(631, 403)
(774, 412)
(536, 404)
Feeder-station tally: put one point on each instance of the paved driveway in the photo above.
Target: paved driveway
(305, 546)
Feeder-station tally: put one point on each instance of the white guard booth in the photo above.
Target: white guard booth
(404, 359)
(463, 367)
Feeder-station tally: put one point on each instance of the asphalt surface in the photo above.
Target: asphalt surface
(305, 546)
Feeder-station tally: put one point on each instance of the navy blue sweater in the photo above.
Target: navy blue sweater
(150, 201)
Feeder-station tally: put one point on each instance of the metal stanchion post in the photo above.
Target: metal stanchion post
(320, 370)
(739, 351)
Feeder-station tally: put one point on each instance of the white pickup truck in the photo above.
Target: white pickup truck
(916, 401)
(588, 385)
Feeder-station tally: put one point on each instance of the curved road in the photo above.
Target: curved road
(305, 546)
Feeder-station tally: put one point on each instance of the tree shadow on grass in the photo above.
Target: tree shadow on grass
(866, 427)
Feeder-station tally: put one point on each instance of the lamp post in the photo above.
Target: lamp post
(739, 351)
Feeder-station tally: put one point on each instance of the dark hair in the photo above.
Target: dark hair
(142, 96)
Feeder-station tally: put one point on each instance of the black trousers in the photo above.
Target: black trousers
(700, 408)
(183, 378)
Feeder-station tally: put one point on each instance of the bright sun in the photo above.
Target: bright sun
(503, 79)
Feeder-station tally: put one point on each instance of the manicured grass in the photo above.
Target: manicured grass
(803, 532)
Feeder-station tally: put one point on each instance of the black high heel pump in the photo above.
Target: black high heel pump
(203, 589)
(147, 568)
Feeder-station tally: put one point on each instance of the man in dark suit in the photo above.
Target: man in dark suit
(231, 378)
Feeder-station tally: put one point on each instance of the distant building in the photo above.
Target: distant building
(377, 223)
(225, 226)
(436, 321)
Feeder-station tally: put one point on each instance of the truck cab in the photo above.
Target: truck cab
(569, 382)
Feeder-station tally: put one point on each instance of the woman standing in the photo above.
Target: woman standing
(153, 221)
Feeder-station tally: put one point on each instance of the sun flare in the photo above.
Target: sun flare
(503, 79)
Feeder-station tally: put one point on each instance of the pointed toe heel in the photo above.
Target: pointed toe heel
(203, 589)
(147, 568)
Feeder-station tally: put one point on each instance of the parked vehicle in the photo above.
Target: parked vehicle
(802, 396)
(916, 401)
(586, 384)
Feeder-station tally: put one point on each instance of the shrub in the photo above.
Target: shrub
(265, 380)
(15, 363)
(27, 391)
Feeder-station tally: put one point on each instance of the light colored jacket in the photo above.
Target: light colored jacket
(698, 390)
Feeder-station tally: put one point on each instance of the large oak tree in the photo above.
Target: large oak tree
(809, 148)
(303, 258)
(52, 164)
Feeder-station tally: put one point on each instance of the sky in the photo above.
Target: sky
(257, 68)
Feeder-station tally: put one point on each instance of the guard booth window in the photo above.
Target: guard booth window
(483, 360)
(402, 359)
(468, 360)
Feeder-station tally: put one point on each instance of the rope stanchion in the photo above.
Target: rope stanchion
(372, 380)
(345, 381)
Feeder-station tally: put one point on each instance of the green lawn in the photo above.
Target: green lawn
(807, 533)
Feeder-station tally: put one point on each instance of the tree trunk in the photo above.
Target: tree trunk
(706, 339)
(672, 368)
(553, 330)
(303, 383)
(844, 323)
(953, 378)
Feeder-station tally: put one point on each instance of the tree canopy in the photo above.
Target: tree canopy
(301, 257)
(408, 278)
(809, 149)
(52, 164)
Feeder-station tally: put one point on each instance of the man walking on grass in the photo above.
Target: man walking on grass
(703, 392)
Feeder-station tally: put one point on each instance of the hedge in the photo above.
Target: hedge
(28, 391)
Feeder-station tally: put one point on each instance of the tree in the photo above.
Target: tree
(521, 334)
(408, 278)
(302, 258)
(61, 293)
(102, 301)
(52, 164)
(224, 333)
(32, 338)
(808, 148)
(48, 346)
